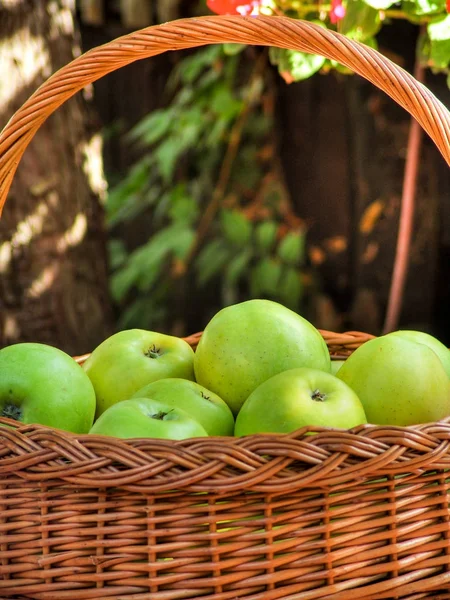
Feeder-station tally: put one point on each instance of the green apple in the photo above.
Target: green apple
(399, 382)
(336, 365)
(147, 418)
(247, 343)
(425, 338)
(41, 384)
(128, 360)
(201, 404)
(298, 398)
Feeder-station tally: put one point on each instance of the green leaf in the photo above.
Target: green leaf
(439, 36)
(192, 66)
(224, 104)
(149, 275)
(152, 127)
(167, 155)
(361, 21)
(153, 254)
(145, 312)
(237, 267)
(145, 264)
(183, 243)
(211, 260)
(298, 64)
(123, 280)
(290, 287)
(247, 171)
(418, 8)
(266, 234)
(117, 253)
(264, 278)
(236, 228)
(232, 49)
(183, 208)
(291, 249)
(133, 184)
(219, 128)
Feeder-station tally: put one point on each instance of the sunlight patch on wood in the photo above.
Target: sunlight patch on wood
(11, 330)
(43, 281)
(24, 57)
(370, 253)
(336, 244)
(317, 255)
(61, 18)
(71, 237)
(371, 216)
(26, 230)
(93, 165)
(12, 3)
(74, 235)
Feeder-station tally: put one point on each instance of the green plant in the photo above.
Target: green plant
(360, 20)
(215, 134)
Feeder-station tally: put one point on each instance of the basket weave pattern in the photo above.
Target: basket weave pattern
(362, 514)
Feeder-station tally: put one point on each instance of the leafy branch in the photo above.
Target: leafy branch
(253, 91)
(216, 134)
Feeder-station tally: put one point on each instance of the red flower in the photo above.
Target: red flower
(234, 7)
(337, 11)
(448, 6)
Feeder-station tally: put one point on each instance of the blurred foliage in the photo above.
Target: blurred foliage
(210, 192)
(207, 187)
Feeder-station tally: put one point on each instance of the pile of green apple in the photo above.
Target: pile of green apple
(259, 367)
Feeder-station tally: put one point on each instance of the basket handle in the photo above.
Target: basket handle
(188, 33)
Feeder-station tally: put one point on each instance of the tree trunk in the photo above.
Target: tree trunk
(53, 268)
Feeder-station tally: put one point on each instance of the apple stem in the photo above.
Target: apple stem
(318, 396)
(161, 415)
(153, 352)
(11, 411)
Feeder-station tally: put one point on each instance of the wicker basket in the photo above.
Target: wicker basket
(362, 514)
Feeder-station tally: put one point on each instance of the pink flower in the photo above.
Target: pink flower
(234, 7)
(337, 11)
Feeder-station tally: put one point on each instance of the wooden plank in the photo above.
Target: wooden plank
(92, 12)
(136, 13)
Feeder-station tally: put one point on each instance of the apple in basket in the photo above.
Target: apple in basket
(245, 344)
(297, 398)
(130, 359)
(438, 347)
(147, 418)
(398, 380)
(200, 404)
(41, 384)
